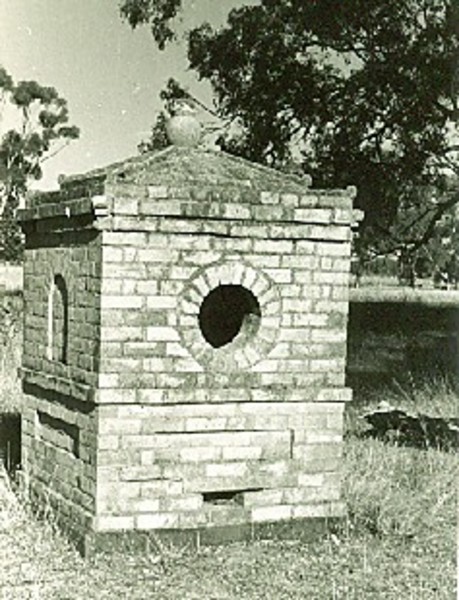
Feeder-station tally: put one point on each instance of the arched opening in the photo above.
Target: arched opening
(227, 312)
(58, 320)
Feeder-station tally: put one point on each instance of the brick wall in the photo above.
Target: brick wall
(196, 436)
(74, 256)
(59, 443)
(60, 367)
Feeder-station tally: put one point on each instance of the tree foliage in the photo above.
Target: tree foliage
(41, 128)
(361, 92)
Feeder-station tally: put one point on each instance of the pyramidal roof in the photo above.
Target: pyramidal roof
(178, 166)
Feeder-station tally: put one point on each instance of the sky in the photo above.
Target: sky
(109, 74)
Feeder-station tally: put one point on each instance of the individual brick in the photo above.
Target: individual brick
(270, 198)
(112, 254)
(302, 276)
(187, 365)
(314, 215)
(160, 488)
(116, 396)
(149, 287)
(163, 520)
(108, 442)
(117, 365)
(116, 426)
(113, 523)
(268, 213)
(273, 246)
(169, 206)
(151, 396)
(288, 199)
(142, 349)
(295, 334)
(121, 270)
(121, 302)
(148, 254)
(183, 503)
(261, 498)
(140, 474)
(157, 191)
(231, 469)
(334, 249)
(144, 505)
(111, 492)
(200, 454)
(306, 247)
(205, 423)
(162, 334)
(108, 380)
(236, 211)
(326, 364)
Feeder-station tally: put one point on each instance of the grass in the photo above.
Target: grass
(398, 541)
(10, 350)
(10, 277)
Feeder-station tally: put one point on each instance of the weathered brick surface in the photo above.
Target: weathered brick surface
(59, 444)
(76, 258)
(172, 431)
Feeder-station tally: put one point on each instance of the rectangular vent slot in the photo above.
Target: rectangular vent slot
(59, 433)
(10, 441)
(227, 497)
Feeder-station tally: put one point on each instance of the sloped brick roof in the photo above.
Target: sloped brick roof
(181, 166)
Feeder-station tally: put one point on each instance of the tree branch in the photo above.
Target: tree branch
(202, 105)
(44, 159)
(440, 211)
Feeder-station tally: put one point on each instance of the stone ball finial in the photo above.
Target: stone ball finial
(183, 128)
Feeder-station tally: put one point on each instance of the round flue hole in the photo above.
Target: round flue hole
(228, 311)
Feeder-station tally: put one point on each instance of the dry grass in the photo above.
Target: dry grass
(422, 296)
(10, 277)
(10, 350)
(397, 543)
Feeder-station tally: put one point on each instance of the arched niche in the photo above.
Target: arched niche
(58, 320)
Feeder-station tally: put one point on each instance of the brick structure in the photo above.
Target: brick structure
(184, 349)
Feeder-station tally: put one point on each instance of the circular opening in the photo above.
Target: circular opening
(227, 312)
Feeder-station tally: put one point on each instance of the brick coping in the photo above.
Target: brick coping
(199, 395)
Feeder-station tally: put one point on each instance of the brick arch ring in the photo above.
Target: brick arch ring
(253, 309)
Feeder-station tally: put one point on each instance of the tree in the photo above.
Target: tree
(361, 92)
(42, 122)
